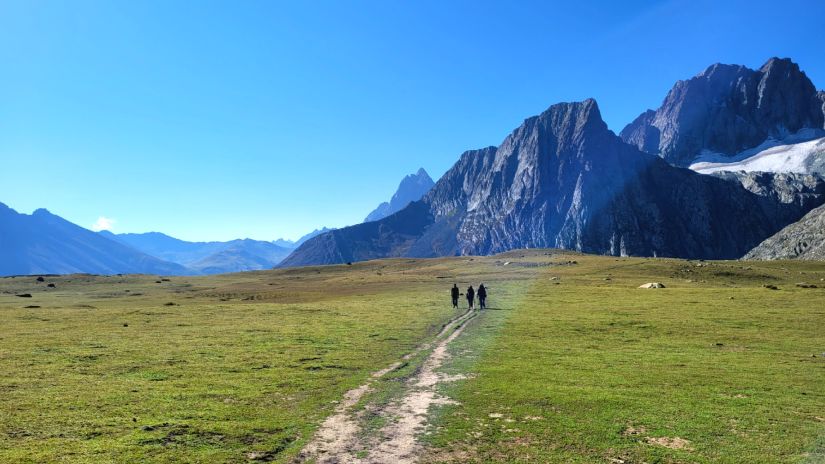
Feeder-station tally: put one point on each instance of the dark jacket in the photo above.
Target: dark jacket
(454, 292)
(482, 292)
(471, 293)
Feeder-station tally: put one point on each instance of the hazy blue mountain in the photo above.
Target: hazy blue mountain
(727, 109)
(411, 188)
(562, 179)
(207, 257)
(168, 248)
(242, 255)
(295, 244)
(43, 243)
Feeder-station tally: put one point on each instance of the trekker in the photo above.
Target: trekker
(482, 296)
(454, 294)
(471, 294)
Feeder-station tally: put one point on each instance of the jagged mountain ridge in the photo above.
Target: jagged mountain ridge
(411, 188)
(562, 179)
(727, 109)
(43, 243)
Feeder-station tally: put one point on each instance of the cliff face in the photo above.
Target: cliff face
(727, 109)
(562, 179)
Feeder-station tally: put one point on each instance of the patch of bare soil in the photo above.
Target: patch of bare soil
(672, 443)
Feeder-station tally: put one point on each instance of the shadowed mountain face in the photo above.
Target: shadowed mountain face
(822, 101)
(727, 109)
(562, 179)
(412, 188)
(42, 243)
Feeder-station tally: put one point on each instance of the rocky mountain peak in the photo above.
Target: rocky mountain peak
(781, 65)
(727, 109)
(411, 188)
(572, 122)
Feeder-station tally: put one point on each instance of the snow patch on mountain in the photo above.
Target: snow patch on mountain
(771, 156)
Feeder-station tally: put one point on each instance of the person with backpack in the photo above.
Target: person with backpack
(482, 296)
(454, 294)
(471, 294)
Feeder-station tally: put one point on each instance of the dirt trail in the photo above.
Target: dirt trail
(340, 440)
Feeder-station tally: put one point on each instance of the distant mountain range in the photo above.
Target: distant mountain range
(562, 179)
(42, 243)
(411, 188)
(206, 257)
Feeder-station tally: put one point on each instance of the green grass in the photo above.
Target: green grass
(253, 362)
(240, 364)
(567, 370)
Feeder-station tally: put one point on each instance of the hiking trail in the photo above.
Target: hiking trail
(341, 439)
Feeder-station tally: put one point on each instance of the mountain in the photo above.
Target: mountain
(411, 189)
(801, 240)
(206, 257)
(727, 109)
(772, 156)
(295, 244)
(241, 255)
(563, 179)
(43, 243)
(167, 248)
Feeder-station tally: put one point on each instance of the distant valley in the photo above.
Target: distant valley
(44, 243)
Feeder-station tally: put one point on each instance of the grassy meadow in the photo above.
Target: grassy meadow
(571, 363)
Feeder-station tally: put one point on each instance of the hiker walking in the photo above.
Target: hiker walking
(482, 296)
(454, 293)
(471, 294)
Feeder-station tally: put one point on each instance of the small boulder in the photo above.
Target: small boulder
(652, 285)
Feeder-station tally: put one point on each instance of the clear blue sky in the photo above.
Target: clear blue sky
(218, 120)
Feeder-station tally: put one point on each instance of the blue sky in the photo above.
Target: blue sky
(218, 120)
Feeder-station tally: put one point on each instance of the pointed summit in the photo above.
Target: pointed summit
(411, 188)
